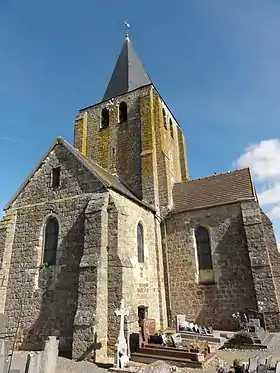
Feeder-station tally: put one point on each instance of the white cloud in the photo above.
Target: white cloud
(263, 158)
(264, 161)
(275, 212)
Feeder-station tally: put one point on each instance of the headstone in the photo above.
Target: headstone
(3, 356)
(34, 362)
(179, 320)
(176, 339)
(255, 322)
(121, 346)
(50, 355)
(268, 361)
(149, 328)
(3, 320)
(277, 367)
(253, 364)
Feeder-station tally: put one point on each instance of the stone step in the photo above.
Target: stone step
(147, 359)
(201, 337)
(170, 352)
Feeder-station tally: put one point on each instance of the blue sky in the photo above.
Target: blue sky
(216, 63)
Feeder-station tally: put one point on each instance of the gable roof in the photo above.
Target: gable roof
(128, 74)
(214, 190)
(108, 180)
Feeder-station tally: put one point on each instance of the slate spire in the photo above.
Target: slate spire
(129, 73)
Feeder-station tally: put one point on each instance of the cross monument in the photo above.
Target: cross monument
(121, 345)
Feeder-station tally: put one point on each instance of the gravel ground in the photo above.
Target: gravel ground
(222, 356)
(70, 366)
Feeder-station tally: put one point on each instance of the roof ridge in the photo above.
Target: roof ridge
(214, 175)
(90, 165)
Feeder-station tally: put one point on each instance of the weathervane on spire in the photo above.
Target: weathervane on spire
(127, 28)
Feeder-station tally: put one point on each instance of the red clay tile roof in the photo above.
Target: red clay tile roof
(214, 190)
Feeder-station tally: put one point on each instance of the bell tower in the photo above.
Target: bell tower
(132, 134)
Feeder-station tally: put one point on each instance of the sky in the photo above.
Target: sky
(216, 64)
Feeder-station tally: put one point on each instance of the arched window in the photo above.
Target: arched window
(204, 256)
(104, 118)
(171, 128)
(140, 243)
(164, 118)
(51, 241)
(203, 248)
(122, 112)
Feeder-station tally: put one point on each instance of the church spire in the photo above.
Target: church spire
(129, 73)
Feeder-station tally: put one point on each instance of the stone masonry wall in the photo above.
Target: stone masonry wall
(144, 152)
(138, 283)
(49, 294)
(259, 249)
(170, 154)
(7, 230)
(118, 147)
(273, 252)
(233, 289)
(3, 231)
(90, 324)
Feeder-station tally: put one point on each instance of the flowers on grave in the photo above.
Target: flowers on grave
(238, 366)
(236, 316)
(44, 265)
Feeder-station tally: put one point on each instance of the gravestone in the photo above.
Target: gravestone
(277, 367)
(268, 361)
(3, 356)
(149, 328)
(253, 364)
(50, 355)
(34, 362)
(179, 319)
(3, 320)
(176, 339)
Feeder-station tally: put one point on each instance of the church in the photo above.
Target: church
(115, 216)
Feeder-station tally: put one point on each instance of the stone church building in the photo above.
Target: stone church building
(116, 216)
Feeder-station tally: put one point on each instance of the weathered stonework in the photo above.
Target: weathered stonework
(116, 178)
(241, 262)
(156, 158)
(261, 249)
(233, 288)
(50, 294)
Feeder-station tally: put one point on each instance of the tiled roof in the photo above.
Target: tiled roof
(213, 190)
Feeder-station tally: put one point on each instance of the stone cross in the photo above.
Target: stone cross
(122, 312)
(121, 353)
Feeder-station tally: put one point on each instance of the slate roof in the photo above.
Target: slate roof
(129, 73)
(108, 180)
(214, 190)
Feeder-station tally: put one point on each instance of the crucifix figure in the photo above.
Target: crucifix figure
(122, 356)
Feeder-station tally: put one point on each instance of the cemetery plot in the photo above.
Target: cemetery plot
(254, 365)
(252, 336)
(170, 347)
(189, 330)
